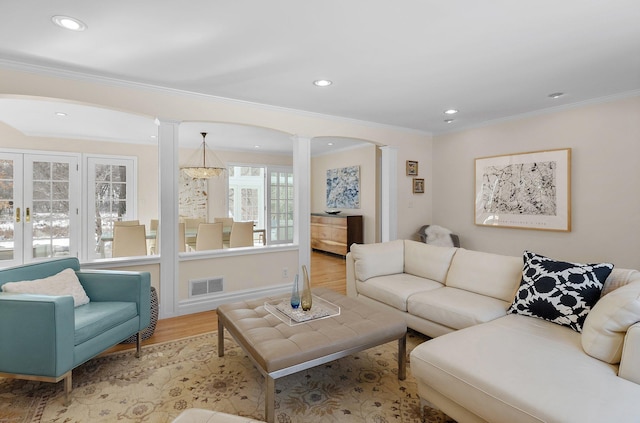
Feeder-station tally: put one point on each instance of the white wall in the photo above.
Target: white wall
(365, 157)
(605, 143)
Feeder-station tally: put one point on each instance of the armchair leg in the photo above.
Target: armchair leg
(138, 344)
(67, 389)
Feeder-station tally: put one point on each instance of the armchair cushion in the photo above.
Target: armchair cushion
(99, 317)
(64, 283)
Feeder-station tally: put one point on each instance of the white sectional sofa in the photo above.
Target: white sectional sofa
(486, 364)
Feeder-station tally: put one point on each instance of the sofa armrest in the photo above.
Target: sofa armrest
(630, 362)
(36, 334)
(351, 276)
(117, 285)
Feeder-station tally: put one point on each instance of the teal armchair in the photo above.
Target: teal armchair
(44, 337)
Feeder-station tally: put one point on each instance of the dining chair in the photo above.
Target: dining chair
(126, 223)
(152, 243)
(182, 240)
(241, 234)
(227, 223)
(192, 228)
(129, 241)
(209, 236)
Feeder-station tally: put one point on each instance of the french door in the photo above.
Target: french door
(249, 190)
(39, 207)
(281, 202)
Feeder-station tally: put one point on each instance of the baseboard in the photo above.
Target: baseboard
(211, 302)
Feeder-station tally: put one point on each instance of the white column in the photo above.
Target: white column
(302, 193)
(168, 229)
(388, 194)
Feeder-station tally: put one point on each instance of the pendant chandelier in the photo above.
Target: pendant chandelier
(210, 166)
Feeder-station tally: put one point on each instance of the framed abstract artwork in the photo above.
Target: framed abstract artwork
(343, 188)
(526, 190)
(412, 168)
(418, 185)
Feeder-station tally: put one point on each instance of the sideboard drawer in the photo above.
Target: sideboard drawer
(335, 233)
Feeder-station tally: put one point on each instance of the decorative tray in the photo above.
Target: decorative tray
(321, 309)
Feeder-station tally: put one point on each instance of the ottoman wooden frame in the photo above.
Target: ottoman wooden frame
(278, 349)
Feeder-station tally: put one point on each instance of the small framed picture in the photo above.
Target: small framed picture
(418, 185)
(412, 168)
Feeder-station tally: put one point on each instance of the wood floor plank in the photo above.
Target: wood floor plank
(326, 270)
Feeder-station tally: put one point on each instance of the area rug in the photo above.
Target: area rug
(177, 375)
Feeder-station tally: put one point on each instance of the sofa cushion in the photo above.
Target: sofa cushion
(522, 369)
(61, 284)
(427, 261)
(488, 274)
(557, 291)
(385, 258)
(96, 317)
(619, 277)
(606, 325)
(455, 308)
(394, 290)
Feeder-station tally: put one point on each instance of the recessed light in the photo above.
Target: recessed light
(329, 143)
(154, 136)
(61, 114)
(322, 83)
(256, 146)
(450, 112)
(555, 95)
(448, 120)
(68, 22)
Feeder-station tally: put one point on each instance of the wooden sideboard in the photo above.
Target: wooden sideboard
(335, 233)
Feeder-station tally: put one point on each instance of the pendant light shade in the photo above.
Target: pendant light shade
(204, 164)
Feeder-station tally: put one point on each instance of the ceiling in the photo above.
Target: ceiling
(393, 63)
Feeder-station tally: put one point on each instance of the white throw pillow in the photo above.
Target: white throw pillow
(606, 325)
(63, 283)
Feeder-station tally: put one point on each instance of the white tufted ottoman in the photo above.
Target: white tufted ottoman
(278, 349)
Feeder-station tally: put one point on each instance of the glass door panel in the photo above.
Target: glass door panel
(10, 209)
(281, 202)
(51, 206)
(111, 199)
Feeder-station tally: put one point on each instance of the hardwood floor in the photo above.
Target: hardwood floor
(326, 270)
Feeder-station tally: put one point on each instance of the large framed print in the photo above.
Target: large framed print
(526, 190)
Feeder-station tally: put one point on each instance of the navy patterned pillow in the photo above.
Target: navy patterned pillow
(558, 291)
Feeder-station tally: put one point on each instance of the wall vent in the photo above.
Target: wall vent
(205, 286)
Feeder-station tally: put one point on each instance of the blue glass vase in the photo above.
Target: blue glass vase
(295, 294)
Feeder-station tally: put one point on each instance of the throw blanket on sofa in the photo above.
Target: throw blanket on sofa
(437, 235)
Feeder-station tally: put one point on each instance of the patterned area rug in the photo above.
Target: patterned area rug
(187, 373)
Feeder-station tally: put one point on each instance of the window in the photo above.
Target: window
(266, 200)
(246, 194)
(281, 206)
(111, 193)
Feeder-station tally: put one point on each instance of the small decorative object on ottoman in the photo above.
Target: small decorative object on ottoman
(148, 332)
